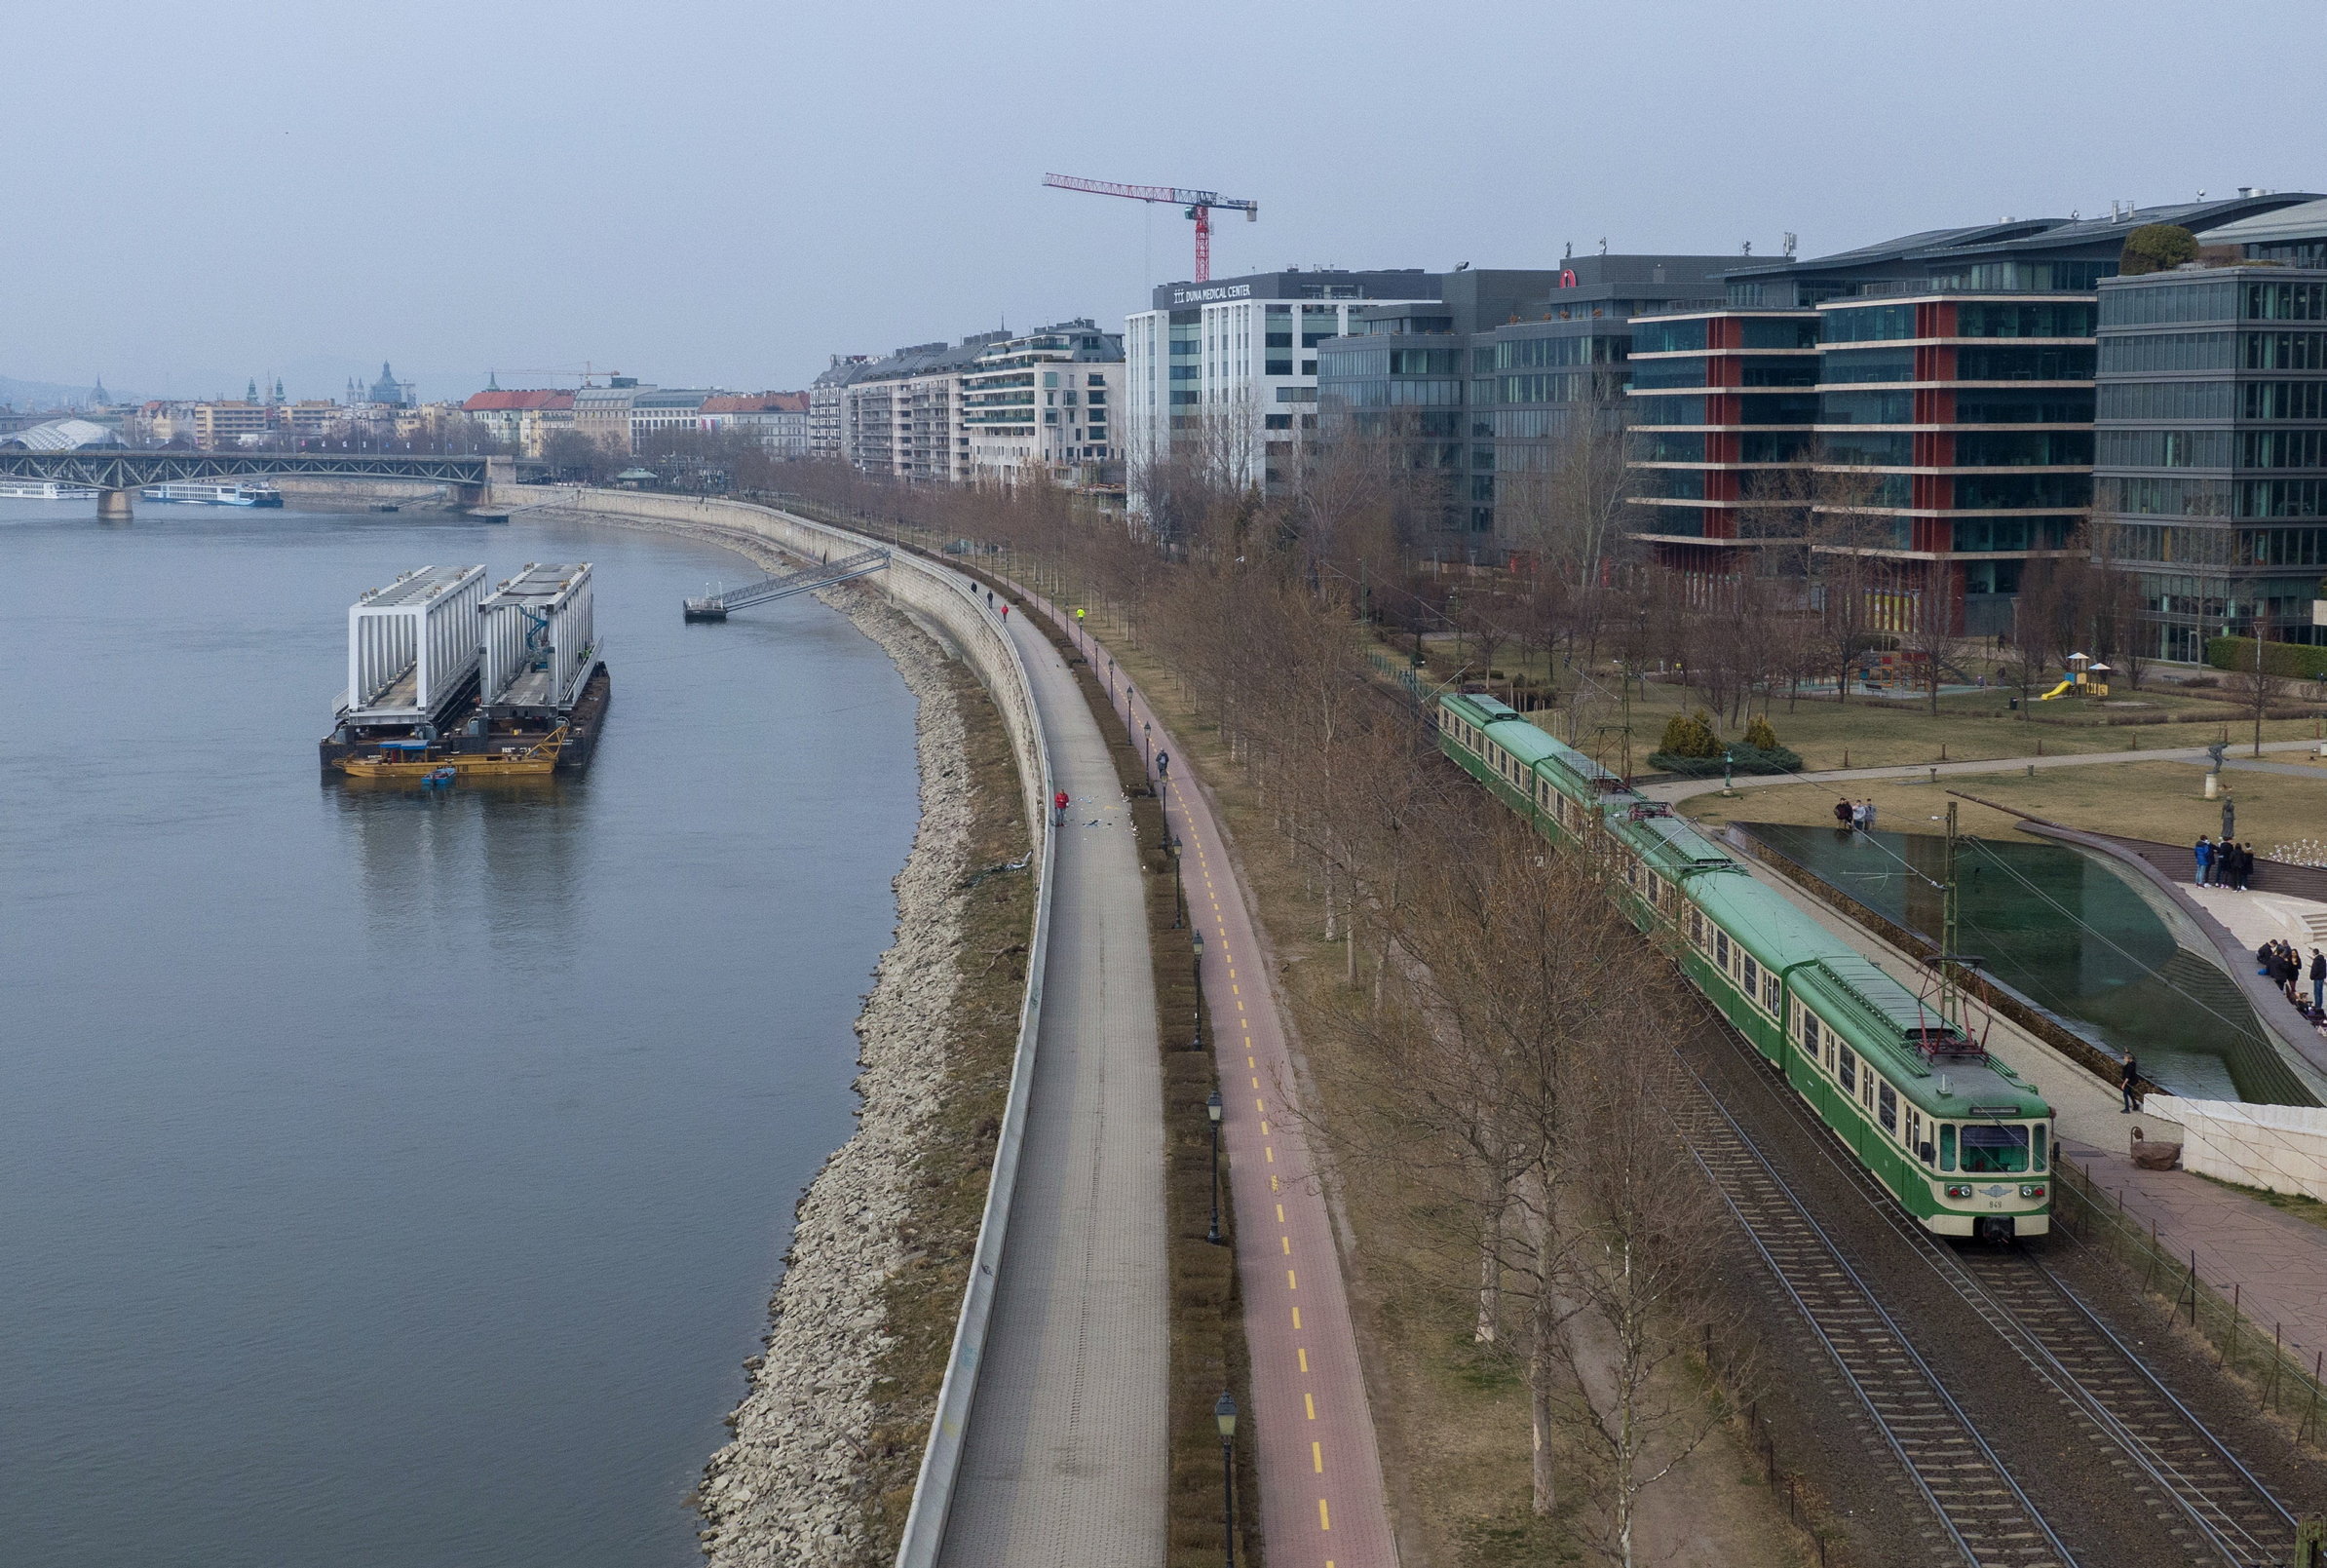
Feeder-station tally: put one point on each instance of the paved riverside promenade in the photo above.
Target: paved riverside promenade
(1066, 1460)
(1675, 789)
(1322, 1499)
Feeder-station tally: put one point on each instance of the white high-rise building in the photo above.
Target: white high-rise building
(1226, 372)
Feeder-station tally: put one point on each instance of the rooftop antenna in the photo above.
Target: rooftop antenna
(1569, 254)
(1749, 247)
(1791, 242)
(1603, 245)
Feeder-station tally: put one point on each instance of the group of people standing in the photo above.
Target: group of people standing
(1855, 815)
(2227, 865)
(2282, 964)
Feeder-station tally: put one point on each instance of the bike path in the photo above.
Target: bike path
(1323, 1502)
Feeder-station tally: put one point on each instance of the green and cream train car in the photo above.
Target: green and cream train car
(1961, 1142)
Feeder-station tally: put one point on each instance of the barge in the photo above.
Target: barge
(438, 668)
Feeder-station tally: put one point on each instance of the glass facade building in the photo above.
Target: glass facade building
(2210, 466)
(1484, 385)
(1949, 420)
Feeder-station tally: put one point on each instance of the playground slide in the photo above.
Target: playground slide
(2055, 691)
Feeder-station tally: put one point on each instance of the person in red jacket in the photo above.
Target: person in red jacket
(1059, 803)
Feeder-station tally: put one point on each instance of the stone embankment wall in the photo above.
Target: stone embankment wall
(301, 490)
(789, 1489)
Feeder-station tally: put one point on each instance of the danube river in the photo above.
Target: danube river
(389, 1180)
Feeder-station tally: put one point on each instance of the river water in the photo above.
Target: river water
(393, 1181)
(2071, 933)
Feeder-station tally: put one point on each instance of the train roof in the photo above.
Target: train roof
(1874, 1010)
(1760, 920)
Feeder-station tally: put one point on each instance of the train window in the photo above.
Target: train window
(1753, 976)
(1990, 1150)
(1721, 948)
(1697, 928)
(1947, 1146)
(2036, 1161)
(1866, 1091)
(1809, 1033)
(1772, 994)
(1887, 1109)
(1915, 1132)
(1847, 1072)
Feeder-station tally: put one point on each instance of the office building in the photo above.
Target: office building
(1225, 372)
(1484, 382)
(1953, 429)
(2210, 470)
(603, 413)
(659, 411)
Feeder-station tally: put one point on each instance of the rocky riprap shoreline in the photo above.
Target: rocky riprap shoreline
(789, 1490)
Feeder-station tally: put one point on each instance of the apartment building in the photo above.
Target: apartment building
(521, 419)
(603, 413)
(778, 419)
(900, 416)
(1043, 403)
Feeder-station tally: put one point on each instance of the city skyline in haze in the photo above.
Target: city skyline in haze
(724, 194)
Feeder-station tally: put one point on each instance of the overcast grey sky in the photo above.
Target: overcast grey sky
(727, 193)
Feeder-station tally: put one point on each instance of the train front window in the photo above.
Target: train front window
(1994, 1150)
(1947, 1146)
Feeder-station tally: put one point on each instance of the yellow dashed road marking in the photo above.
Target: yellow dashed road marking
(1288, 1244)
(1280, 1214)
(1317, 1456)
(1290, 1283)
(1302, 1352)
(1310, 1400)
(1324, 1519)
(1296, 1317)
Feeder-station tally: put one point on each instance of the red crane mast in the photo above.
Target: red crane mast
(1198, 205)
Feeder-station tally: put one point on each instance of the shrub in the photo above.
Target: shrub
(1743, 758)
(2157, 247)
(1690, 735)
(2300, 661)
(1759, 735)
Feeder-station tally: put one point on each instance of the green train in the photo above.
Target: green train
(1957, 1137)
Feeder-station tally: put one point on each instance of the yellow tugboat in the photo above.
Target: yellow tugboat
(425, 762)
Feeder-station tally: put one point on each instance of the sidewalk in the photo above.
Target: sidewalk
(1067, 1457)
(2276, 1263)
(1323, 1497)
(1684, 788)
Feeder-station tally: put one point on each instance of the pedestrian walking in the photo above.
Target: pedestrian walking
(1058, 804)
(2318, 980)
(1006, 612)
(2127, 1077)
(2203, 852)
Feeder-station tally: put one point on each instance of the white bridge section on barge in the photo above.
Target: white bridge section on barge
(540, 640)
(413, 645)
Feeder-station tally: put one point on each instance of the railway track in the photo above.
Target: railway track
(2212, 1511)
(1988, 1519)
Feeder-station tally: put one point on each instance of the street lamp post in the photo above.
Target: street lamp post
(1179, 906)
(1212, 1108)
(1224, 1412)
(1195, 940)
(1146, 745)
(1130, 698)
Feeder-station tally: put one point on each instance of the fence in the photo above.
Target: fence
(2254, 1352)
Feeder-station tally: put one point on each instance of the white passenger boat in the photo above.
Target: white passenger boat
(211, 493)
(45, 490)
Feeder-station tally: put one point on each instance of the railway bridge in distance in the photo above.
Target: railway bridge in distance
(117, 473)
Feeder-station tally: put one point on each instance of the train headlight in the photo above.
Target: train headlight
(2032, 1192)
(1959, 1192)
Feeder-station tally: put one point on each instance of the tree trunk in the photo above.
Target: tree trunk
(1541, 1369)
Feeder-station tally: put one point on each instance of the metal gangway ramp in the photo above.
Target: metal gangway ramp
(784, 585)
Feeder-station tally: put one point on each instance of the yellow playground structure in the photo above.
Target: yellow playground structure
(2083, 668)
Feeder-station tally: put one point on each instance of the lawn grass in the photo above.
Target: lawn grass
(2163, 801)
(1874, 732)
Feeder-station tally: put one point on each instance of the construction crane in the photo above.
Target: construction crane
(1199, 205)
